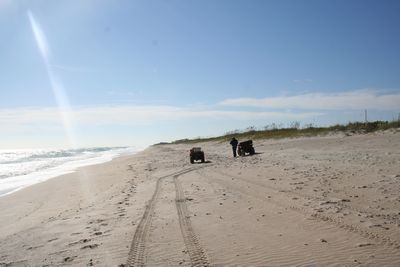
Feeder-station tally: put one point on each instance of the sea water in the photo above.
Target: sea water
(22, 168)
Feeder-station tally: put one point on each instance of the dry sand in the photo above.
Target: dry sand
(320, 201)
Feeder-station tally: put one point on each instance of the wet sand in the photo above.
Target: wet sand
(318, 201)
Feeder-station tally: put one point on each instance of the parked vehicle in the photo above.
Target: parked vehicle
(196, 154)
(246, 147)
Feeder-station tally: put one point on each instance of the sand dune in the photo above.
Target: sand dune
(321, 201)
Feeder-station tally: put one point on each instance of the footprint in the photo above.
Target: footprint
(69, 259)
(85, 240)
(364, 245)
(91, 246)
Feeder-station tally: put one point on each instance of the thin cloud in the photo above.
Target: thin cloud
(72, 68)
(353, 100)
(133, 115)
(122, 93)
(303, 81)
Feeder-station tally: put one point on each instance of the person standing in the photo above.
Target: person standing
(234, 144)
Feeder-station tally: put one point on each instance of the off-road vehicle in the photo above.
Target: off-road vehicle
(246, 147)
(196, 154)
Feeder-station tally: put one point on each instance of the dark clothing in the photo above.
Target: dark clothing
(234, 144)
(234, 151)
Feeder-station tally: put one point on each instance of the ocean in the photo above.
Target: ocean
(22, 168)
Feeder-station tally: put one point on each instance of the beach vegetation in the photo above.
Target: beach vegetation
(277, 131)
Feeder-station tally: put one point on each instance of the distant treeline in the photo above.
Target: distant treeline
(294, 130)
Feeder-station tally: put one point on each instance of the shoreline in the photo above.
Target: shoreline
(316, 200)
(13, 184)
(65, 205)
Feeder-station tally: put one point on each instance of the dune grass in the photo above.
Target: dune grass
(296, 131)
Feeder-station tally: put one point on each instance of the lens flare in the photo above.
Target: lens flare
(61, 97)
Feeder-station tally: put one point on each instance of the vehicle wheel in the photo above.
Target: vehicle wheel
(202, 160)
(191, 160)
(252, 151)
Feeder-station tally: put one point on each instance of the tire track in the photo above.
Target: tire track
(137, 251)
(137, 256)
(196, 253)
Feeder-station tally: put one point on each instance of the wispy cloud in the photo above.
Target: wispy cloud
(72, 68)
(352, 100)
(121, 93)
(134, 115)
(303, 81)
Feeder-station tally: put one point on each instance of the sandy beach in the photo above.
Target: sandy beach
(315, 201)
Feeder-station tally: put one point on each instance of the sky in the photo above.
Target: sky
(90, 73)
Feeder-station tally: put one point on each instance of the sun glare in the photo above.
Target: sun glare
(56, 84)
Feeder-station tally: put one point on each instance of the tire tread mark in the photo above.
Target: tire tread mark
(137, 251)
(197, 255)
(136, 255)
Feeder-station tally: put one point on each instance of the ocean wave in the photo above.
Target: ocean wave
(28, 156)
(21, 168)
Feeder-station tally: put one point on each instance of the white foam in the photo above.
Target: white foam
(12, 184)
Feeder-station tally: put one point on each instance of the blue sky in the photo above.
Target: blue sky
(98, 73)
